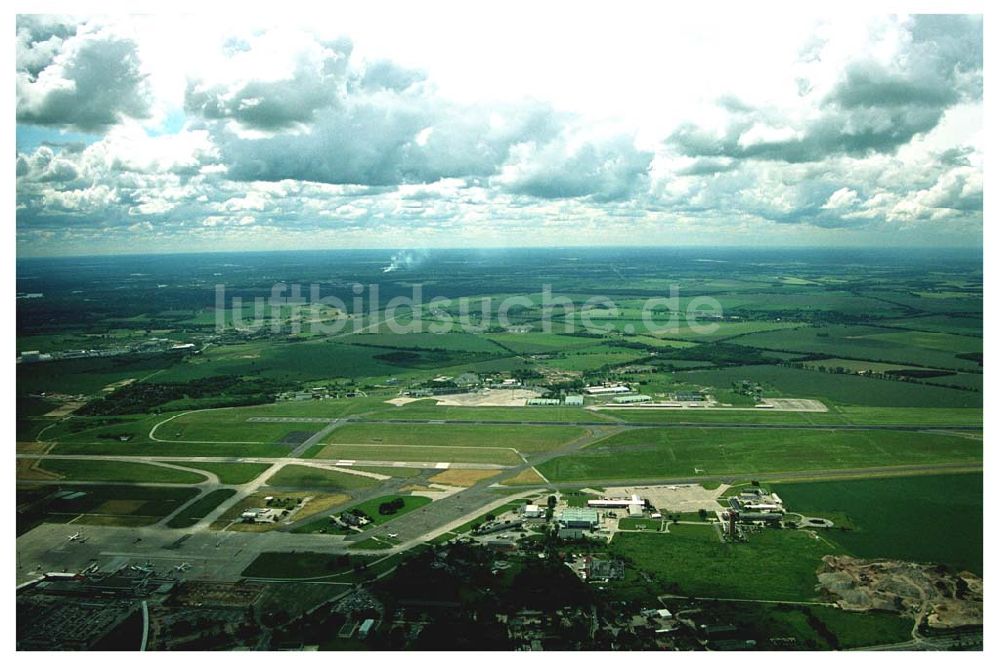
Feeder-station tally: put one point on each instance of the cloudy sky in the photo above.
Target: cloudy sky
(445, 129)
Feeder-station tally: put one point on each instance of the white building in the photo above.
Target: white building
(606, 390)
(633, 504)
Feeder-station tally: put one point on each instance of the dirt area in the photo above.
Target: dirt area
(404, 400)
(947, 600)
(774, 405)
(795, 405)
(32, 447)
(433, 491)
(686, 498)
(489, 398)
(117, 385)
(28, 471)
(528, 477)
(199, 593)
(65, 409)
(462, 477)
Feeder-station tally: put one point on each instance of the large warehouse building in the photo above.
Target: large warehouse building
(578, 518)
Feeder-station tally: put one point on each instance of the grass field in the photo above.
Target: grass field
(922, 518)
(179, 449)
(225, 425)
(301, 476)
(198, 510)
(231, 473)
(410, 502)
(672, 453)
(427, 410)
(303, 565)
(433, 454)
(113, 471)
(128, 505)
(454, 341)
(838, 629)
(526, 439)
(777, 565)
(838, 414)
(645, 524)
(779, 381)
(876, 344)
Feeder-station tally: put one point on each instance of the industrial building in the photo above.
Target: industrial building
(757, 499)
(573, 401)
(533, 511)
(576, 518)
(365, 628)
(634, 504)
(607, 390)
(497, 526)
(543, 401)
(629, 399)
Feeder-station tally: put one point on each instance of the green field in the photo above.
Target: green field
(435, 454)
(410, 502)
(527, 439)
(675, 453)
(920, 518)
(456, 341)
(775, 565)
(114, 471)
(646, 524)
(127, 505)
(814, 627)
(224, 425)
(171, 449)
(779, 381)
(426, 410)
(937, 350)
(301, 476)
(303, 565)
(231, 473)
(838, 414)
(198, 510)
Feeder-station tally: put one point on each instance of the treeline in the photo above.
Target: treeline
(139, 398)
(915, 375)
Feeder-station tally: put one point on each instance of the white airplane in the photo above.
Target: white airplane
(77, 537)
(182, 567)
(393, 535)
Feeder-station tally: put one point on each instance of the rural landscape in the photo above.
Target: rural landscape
(293, 488)
(460, 328)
